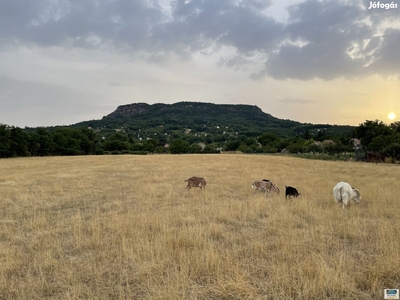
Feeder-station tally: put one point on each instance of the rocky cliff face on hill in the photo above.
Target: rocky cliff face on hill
(129, 110)
(188, 108)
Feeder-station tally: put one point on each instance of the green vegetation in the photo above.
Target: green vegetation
(217, 121)
(189, 127)
(378, 137)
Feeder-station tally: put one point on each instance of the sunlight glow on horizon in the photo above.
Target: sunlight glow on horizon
(392, 116)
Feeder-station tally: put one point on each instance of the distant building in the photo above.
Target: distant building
(329, 142)
(202, 146)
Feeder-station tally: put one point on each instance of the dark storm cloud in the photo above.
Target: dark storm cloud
(388, 62)
(332, 40)
(197, 25)
(321, 39)
(122, 23)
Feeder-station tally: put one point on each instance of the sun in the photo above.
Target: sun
(392, 116)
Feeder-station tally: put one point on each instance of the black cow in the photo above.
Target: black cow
(291, 191)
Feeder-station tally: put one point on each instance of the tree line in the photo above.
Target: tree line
(375, 136)
(378, 137)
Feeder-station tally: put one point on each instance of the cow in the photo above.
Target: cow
(291, 191)
(264, 185)
(344, 193)
(195, 181)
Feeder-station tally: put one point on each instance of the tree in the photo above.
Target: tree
(251, 142)
(179, 146)
(293, 144)
(321, 135)
(393, 151)
(295, 147)
(270, 149)
(117, 142)
(66, 142)
(18, 142)
(379, 143)
(150, 145)
(376, 136)
(370, 130)
(311, 146)
(232, 145)
(307, 134)
(195, 148)
(332, 148)
(60, 141)
(41, 143)
(395, 126)
(5, 141)
(88, 140)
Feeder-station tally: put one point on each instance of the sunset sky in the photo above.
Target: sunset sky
(66, 61)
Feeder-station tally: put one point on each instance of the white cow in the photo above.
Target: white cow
(343, 193)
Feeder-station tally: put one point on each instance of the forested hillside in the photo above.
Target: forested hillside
(203, 117)
(184, 127)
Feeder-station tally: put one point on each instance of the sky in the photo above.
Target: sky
(329, 62)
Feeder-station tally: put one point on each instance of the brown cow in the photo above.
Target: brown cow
(374, 157)
(195, 181)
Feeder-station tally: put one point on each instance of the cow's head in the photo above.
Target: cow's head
(358, 198)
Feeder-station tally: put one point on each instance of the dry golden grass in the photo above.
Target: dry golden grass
(124, 227)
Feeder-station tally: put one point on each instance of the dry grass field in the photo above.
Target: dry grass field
(124, 227)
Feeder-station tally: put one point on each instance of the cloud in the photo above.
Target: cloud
(388, 62)
(44, 104)
(123, 24)
(321, 39)
(337, 40)
(290, 100)
(115, 84)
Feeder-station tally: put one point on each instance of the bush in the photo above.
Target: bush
(345, 156)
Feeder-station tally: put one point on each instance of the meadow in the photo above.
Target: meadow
(124, 227)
